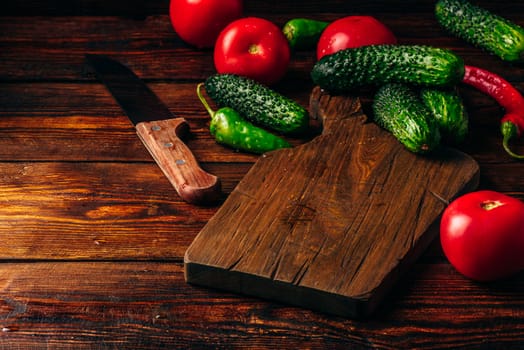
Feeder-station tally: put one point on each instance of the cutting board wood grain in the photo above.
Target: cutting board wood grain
(329, 225)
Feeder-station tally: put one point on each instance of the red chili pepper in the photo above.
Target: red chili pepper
(507, 96)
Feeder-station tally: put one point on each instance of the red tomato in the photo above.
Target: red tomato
(253, 47)
(198, 22)
(482, 235)
(353, 31)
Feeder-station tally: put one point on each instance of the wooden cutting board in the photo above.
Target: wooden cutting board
(329, 225)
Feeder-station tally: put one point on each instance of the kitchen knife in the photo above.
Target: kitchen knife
(160, 131)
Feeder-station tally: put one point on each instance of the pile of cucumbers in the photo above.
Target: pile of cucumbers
(416, 96)
(417, 99)
(416, 117)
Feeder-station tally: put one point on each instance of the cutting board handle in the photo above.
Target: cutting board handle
(331, 115)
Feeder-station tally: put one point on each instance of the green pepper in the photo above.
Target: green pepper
(303, 33)
(229, 128)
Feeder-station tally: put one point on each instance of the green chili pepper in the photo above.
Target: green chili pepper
(303, 33)
(229, 128)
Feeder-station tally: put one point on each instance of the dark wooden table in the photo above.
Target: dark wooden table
(93, 235)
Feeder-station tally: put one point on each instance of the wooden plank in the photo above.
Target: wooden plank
(139, 8)
(23, 62)
(63, 99)
(120, 210)
(88, 125)
(153, 50)
(147, 305)
(331, 224)
(94, 211)
(60, 140)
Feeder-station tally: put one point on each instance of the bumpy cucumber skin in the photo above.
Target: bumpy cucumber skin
(447, 108)
(482, 28)
(348, 69)
(257, 103)
(398, 109)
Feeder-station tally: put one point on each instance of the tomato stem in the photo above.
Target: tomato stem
(491, 204)
(253, 49)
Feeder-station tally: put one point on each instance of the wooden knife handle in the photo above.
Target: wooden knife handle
(163, 140)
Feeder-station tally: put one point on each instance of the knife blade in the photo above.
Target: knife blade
(159, 130)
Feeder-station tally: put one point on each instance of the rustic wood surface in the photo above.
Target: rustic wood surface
(93, 234)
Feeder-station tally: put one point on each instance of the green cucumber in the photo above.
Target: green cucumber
(449, 112)
(348, 69)
(257, 103)
(303, 33)
(399, 109)
(482, 28)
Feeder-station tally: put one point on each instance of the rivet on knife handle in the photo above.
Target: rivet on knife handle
(162, 139)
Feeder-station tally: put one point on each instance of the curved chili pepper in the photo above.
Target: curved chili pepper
(229, 128)
(507, 96)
